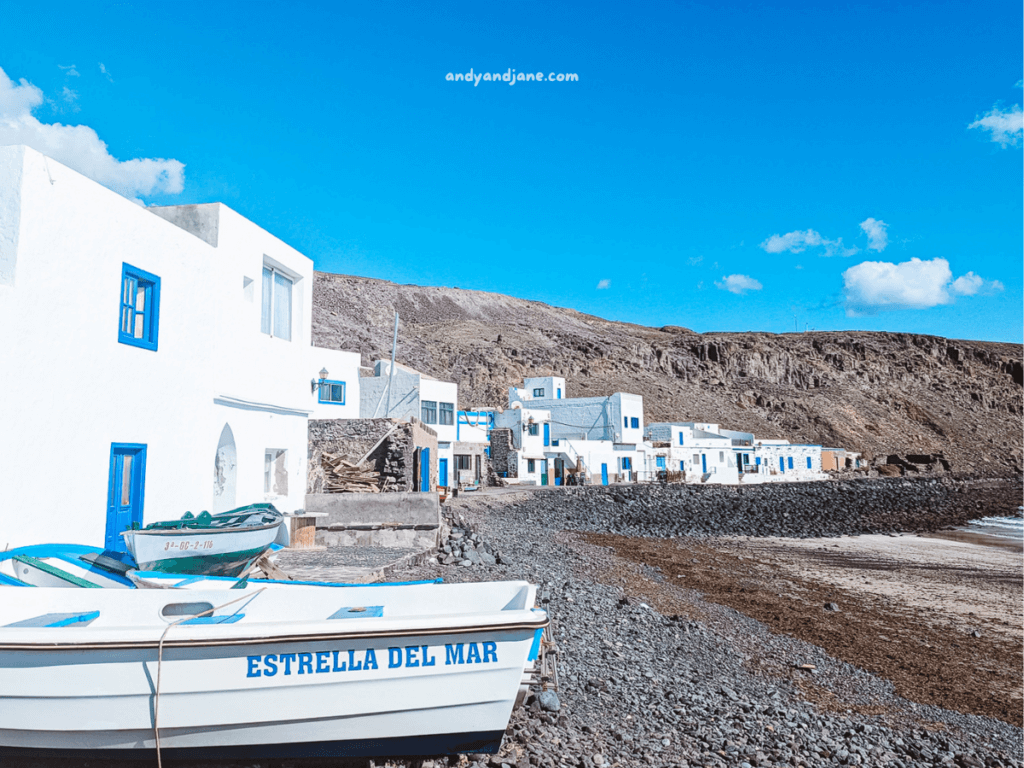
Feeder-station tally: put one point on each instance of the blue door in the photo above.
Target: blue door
(704, 463)
(424, 469)
(125, 492)
(604, 474)
(442, 472)
(547, 434)
(782, 464)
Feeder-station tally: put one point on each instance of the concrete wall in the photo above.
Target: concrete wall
(410, 520)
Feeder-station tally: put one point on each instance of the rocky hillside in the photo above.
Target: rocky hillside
(880, 393)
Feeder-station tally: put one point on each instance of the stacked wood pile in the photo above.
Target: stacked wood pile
(344, 476)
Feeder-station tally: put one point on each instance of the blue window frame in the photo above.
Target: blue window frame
(789, 461)
(682, 467)
(627, 463)
(140, 308)
(559, 395)
(634, 422)
(428, 411)
(531, 466)
(808, 462)
(332, 392)
(446, 414)
(625, 422)
(533, 429)
(538, 392)
(680, 438)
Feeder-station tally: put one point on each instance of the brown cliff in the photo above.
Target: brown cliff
(879, 393)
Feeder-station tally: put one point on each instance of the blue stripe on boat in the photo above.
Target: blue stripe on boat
(367, 612)
(535, 648)
(58, 620)
(216, 619)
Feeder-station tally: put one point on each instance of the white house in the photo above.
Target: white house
(414, 395)
(177, 350)
(528, 461)
(598, 437)
(706, 453)
(782, 461)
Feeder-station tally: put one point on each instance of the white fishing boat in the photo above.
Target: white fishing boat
(66, 565)
(264, 671)
(218, 545)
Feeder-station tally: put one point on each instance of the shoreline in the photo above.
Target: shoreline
(975, 537)
(941, 619)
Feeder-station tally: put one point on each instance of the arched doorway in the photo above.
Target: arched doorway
(225, 472)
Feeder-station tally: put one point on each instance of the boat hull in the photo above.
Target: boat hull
(199, 551)
(404, 694)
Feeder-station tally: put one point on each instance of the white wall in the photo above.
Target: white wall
(69, 388)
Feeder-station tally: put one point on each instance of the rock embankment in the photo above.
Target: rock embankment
(801, 510)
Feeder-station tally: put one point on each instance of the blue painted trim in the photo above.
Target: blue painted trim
(535, 647)
(216, 619)
(325, 384)
(161, 576)
(9, 581)
(368, 612)
(151, 315)
(484, 742)
(58, 620)
(112, 538)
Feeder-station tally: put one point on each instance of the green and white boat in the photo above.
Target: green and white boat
(212, 545)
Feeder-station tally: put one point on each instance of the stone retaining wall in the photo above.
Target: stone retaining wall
(826, 508)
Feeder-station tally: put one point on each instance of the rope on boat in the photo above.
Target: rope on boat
(160, 662)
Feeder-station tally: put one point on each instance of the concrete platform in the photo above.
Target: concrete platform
(350, 565)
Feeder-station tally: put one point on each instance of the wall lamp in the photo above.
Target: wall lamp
(314, 384)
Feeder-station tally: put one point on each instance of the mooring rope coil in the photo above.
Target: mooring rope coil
(160, 662)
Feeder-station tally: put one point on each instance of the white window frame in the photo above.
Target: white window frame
(270, 301)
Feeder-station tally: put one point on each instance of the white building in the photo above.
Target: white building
(414, 395)
(703, 451)
(782, 461)
(600, 438)
(177, 350)
(531, 435)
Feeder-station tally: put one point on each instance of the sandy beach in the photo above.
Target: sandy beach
(941, 619)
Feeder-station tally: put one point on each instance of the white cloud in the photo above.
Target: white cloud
(103, 69)
(695, 260)
(876, 286)
(69, 70)
(798, 242)
(604, 284)
(78, 146)
(876, 230)
(738, 284)
(971, 285)
(1005, 125)
(70, 100)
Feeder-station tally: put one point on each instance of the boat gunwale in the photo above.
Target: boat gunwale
(200, 531)
(265, 640)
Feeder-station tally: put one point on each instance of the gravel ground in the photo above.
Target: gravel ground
(639, 687)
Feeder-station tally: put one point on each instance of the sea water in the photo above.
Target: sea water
(1002, 527)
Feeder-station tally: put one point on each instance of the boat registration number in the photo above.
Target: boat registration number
(189, 545)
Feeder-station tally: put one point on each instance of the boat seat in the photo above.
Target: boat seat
(361, 612)
(58, 620)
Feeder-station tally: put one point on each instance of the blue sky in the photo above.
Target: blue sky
(650, 190)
